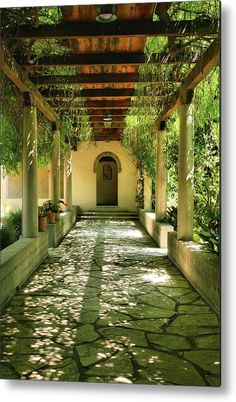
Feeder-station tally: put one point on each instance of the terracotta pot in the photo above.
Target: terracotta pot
(42, 223)
(51, 217)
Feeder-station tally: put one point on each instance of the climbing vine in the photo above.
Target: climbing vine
(152, 98)
(11, 109)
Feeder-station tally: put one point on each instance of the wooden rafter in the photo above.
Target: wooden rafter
(80, 79)
(95, 93)
(102, 112)
(97, 104)
(89, 29)
(109, 59)
(103, 126)
(96, 111)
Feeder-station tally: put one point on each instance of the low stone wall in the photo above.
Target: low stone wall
(18, 262)
(200, 267)
(157, 230)
(56, 231)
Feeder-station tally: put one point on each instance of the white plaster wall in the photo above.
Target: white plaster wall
(84, 178)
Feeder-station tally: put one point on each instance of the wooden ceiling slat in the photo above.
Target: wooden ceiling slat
(127, 28)
(102, 112)
(80, 79)
(95, 93)
(109, 59)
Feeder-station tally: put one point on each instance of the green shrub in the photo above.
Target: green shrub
(11, 228)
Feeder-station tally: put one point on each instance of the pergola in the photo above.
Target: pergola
(106, 58)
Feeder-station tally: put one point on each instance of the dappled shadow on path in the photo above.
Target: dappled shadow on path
(108, 306)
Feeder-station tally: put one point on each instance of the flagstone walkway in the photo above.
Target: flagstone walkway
(108, 306)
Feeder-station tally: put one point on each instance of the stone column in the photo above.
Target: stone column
(68, 182)
(55, 167)
(161, 174)
(29, 170)
(147, 192)
(185, 170)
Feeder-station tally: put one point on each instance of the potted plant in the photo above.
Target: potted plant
(42, 218)
(51, 210)
(59, 204)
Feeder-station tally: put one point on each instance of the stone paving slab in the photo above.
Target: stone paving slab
(108, 306)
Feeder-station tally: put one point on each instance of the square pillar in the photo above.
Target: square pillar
(147, 192)
(185, 170)
(29, 170)
(161, 174)
(55, 167)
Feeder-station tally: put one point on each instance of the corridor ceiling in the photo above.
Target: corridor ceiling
(97, 65)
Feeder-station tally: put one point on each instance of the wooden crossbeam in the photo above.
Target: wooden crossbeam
(94, 104)
(94, 93)
(80, 79)
(109, 59)
(101, 125)
(209, 60)
(15, 73)
(97, 111)
(102, 112)
(87, 93)
(143, 28)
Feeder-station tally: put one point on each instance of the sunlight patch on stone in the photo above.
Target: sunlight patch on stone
(155, 278)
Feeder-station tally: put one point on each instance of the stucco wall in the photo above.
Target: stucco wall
(11, 186)
(84, 177)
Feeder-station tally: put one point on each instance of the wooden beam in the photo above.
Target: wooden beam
(109, 59)
(95, 104)
(97, 112)
(80, 79)
(143, 28)
(209, 60)
(94, 93)
(102, 126)
(87, 93)
(114, 112)
(15, 73)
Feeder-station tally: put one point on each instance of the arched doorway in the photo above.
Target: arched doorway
(107, 181)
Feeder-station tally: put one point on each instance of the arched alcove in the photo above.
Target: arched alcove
(106, 166)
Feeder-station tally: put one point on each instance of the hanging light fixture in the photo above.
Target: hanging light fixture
(106, 13)
(107, 117)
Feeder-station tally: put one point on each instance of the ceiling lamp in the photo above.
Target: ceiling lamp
(107, 117)
(106, 13)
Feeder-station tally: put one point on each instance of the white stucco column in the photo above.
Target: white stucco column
(55, 167)
(161, 174)
(68, 183)
(147, 192)
(185, 170)
(29, 170)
